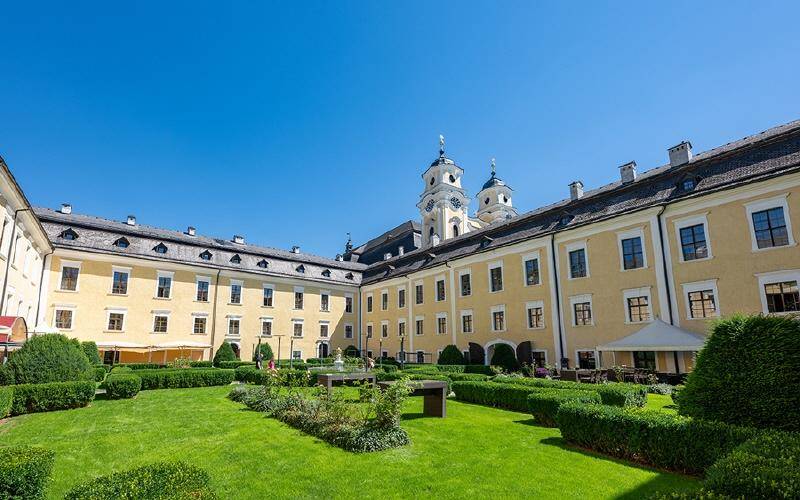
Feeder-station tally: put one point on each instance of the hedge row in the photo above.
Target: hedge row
(235, 364)
(162, 480)
(614, 394)
(99, 373)
(179, 378)
(6, 400)
(140, 366)
(201, 364)
(481, 369)
(544, 403)
(657, 438)
(30, 398)
(250, 375)
(509, 396)
(122, 386)
(24, 471)
(6, 375)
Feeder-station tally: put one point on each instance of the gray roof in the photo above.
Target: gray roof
(657, 336)
(98, 235)
(768, 154)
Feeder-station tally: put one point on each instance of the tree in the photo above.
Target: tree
(224, 353)
(265, 350)
(451, 355)
(50, 358)
(90, 349)
(505, 357)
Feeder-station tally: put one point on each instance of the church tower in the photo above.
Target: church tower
(494, 200)
(443, 202)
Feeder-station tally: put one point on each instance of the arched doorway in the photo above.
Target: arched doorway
(525, 353)
(477, 356)
(322, 350)
(490, 348)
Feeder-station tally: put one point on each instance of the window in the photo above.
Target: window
(348, 331)
(440, 295)
(539, 358)
(301, 268)
(233, 327)
(688, 184)
(531, 272)
(401, 298)
(577, 263)
(701, 304)
(369, 303)
(297, 329)
(119, 281)
(324, 302)
(495, 277)
(268, 293)
(68, 234)
(297, 355)
(323, 330)
(638, 309)
(160, 248)
(581, 310)
(116, 321)
(384, 329)
(466, 322)
(632, 253)
(384, 300)
(586, 360)
(466, 283)
(63, 319)
(203, 285)
(782, 297)
(236, 259)
(199, 325)
(326, 273)
(498, 318)
(419, 326)
(441, 324)
(206, 255)
(644, 359)
(455, 226)
(160, 323)
(693, 242)
(770, 228)
(419, 293)
(348, 304)
(263, 264)
(298, 298)
(266, 327)
(535, 313)
(369, 330)
(236, 292)
(69, 277)
(164, 285)
(401, 328)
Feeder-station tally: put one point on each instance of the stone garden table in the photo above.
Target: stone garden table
(330, 379)
(434, 392)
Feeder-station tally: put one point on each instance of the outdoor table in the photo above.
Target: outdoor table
(328, 379)
(434, 392)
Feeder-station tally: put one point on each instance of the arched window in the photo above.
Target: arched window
(455, 230)
(430, 232)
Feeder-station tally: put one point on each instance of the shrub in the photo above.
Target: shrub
(160, 480)
(765, 467)
(510, 396)
(99, 373)
(266, 351)
(31, 398)
(450, 368)
(294, 364)
(615, 394)
(24, 471)
(467, 377)
(174, 379)
(235, 364)
(122, 386)
(92, 354)
(140, 366)
(389, 368)
(505, 357)
(482, 369)
(6, 399)
(451, 355)
(663, 389)
(654, 437)
(49, 358)
(200, 364)
(119, 370)
(6, 375)
(351, 351)
(224, 353)
(746, 374)
(544, 403)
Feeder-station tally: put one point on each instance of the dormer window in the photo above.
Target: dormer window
(236, 259)
(122, 243)
(300, 269)
(688, 184)
(206, 255)
(263, 264)
(69, 234)
(349, 276)
(565, 219)
(160, 248)
(326, 273)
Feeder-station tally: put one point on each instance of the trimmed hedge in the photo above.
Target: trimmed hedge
(50, 358)
(184, 377)
(201, 364)
(505, 357)
(140, 366)
(90, 349)
(509, 396)
(467, 377)
(482, 369)
(99, 373)
(6, 399)
(544, 403)
(747, 374)
(235, 364)
(250, 375)
(119, 370)
(6, 375)
(224, 353)
(653, 437)
(451, 355)
(32, 398)
(614, 394)
(24, 471)
(160, 480)
(122, 386)
(266, 352)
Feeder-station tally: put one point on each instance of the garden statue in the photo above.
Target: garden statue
(337, 361)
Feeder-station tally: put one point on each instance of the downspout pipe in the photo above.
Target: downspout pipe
(41, 283)
(664, 264)
(8, 260)
(214, 314)
(553, 258)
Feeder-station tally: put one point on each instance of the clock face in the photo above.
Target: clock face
(429, 206)
(455, 202)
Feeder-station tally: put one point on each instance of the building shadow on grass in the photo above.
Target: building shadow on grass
(528, 421)
(412, 416)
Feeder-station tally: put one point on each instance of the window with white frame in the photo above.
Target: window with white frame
(441, 324)
(266, 327)
(63, 318)
(234, 326)
(297, 327)
(236, 292)
(369, 330)
(401, 327)
(298, 297)
(586, 359)
(203, 287)
(530, 269)
(384, 300)
(401, 297)
(384, 329)
(581, 306)
(115, 320)
(324, 301)
(577, 260)
(701, 299)
(631, 249)
(297, 355)
(268, 295)
(69, 276)
(419, 294)
(348, 303)
(119, 280)
(466, 321)
(348, 331)
(637, 303)
(692, 234)
(419, 325)
(535, 314)
(323, 329)
(369, 302)
(199, 324)
(539, 358)
(496, 277)
(770, 225)
(164, 284)
(779, 292)
(465, 283)
(498, 318)
(160, 322)
(440, 290)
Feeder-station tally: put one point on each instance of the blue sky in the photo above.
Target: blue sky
(297, 122)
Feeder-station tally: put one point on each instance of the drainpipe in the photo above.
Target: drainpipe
(553, 258)
(41, 287)
(214, 314)
(8, 260)
(664, 263)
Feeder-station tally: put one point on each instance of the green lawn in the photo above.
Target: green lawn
(659, 402)
(475, 451)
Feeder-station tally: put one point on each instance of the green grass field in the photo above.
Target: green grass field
(475, 451)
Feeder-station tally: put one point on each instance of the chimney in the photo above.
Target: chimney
(66, 208)
(401, 250)
(387, 256)
(627, 172)
(575, 190)
(295, 249)
(191, 231)
(680, 154)
(131, 220)
(238, 239)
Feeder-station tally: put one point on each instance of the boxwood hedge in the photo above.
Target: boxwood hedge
(6, 399)
(184, 377)
(50, 358)
(30, 398)
(510, 396)
(24, 471)
(235, 364)
(160, 480)
(122, 386)
(615, 394)
(99, 373)
(249, 374)
(544, 403)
